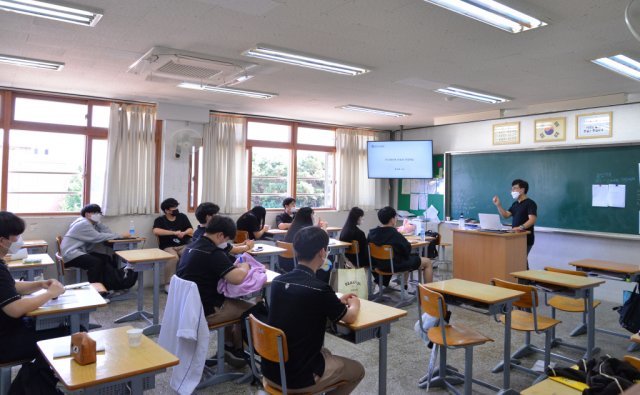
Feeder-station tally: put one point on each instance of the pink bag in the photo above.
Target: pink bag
(252, 283)
(407, 227)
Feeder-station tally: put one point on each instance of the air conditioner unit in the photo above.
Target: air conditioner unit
(164, 64)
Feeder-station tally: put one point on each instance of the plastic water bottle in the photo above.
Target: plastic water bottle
(422, 234)
(461, 221)
(132, 229)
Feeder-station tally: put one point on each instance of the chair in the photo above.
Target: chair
(442, 252)
(525, 318)
(289, 253)
(385, 253)
(60, 266)
(271, 344)
(634, 361)
(447, 336)
(241, 236)
(5, 374)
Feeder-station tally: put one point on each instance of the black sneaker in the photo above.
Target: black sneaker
(234, 357)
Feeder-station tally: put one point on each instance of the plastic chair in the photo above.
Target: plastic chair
(241, 236)
(289, 253)
(385, 253)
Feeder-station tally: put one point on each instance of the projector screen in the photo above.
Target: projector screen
(400, 159)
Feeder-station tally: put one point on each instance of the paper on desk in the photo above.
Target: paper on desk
(406, 186)
(599, 195)
(62, 299)
(413, 202)
(617, 195)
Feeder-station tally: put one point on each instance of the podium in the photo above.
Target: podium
(481, 256)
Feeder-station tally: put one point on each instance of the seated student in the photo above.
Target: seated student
(17, 334)
(300, 307)
(82, 246)
(204, 213)
(205, 262)
(284, 220)
(304, 217)
(174, 232)
(351, 232)
(403, 259)
(253, 222)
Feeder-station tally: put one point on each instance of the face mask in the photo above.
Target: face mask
(224, 245)
(16, 246)
(515, 194)
(175, 212)
(96, 217)
(326, 266)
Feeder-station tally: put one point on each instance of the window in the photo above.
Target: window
(98, 170)
(289, 159)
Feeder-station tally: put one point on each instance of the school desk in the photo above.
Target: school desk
(36, 246)
(29, 271)
(268, 254)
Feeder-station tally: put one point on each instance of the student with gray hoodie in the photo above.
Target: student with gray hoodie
(81, 244)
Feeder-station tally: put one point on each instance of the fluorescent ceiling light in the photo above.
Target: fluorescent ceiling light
(33, 63)
(58, 12)
(376, 111)
(220, 89)
(622, 65)
(471, 95)
(299, 59)
(492, 13)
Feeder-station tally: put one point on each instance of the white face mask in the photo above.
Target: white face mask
(97, 217)
(515, 194)
(224, 245)
(16, 246)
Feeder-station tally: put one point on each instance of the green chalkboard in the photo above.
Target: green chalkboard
(560, 182)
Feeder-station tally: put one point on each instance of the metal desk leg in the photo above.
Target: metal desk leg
(154, 329)
(140, 313)
(30, 275)
(382, 358)
(74, 323)
(591, 325)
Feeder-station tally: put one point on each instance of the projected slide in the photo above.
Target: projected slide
(400, 159)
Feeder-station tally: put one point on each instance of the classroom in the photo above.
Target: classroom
(242, 103)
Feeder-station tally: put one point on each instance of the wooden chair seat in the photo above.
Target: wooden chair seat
(223, 324)
(523, 321)
(274, 389)
(572, 305)
(634, 361)
(457, 336)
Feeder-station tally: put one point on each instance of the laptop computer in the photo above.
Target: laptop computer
(491, 223)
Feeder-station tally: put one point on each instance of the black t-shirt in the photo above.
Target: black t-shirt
(181, 223)
(248, 222)
(283, 218)
(355, 233)
(198, 233)
(520, 212)
(205, 264)
(8, 294)
(389, 235)
(300, 307)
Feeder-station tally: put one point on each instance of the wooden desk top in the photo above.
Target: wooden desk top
(550, 387)
(72, 300)
(116, 362)
(35, 243)
(635, 338)
(625, 268)
(45, 260)
(559, 279)
(333, 229)
(471, 290)
(270, 276)
(267, 249)
(491, 234)
(372, 314)
(276, 231)
(129, 240)
(335, 243)
(145, 255)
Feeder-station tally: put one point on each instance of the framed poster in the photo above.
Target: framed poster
(593, 126)
(506, 133)
(550, 129)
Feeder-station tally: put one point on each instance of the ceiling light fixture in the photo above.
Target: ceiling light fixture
(220, 89)
(492, 13)
(621, 64)
(471, 95)
(58, 12)
(261, 51)
(376, 111)
(33, 63)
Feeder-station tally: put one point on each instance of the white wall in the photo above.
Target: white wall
(551, 249)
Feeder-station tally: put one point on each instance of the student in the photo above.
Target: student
(304, 217)
(524, 211)
(205, 262)
(81, 246)
(284, 220)
(174, 232)
(204, 213)
(17, 333)
(253, 222)
(403, 259)
(300, 307)
(351, 231)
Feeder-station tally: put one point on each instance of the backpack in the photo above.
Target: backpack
(116, 279)
(630, 312)
(432, 251)
(34, 378)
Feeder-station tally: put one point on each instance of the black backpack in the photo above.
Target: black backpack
(432, 251)
(116, 279)
(34, 378)
(630, 312)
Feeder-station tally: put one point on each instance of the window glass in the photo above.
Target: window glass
(47, 111)
(315, 179)
(45, 172)
(270, 175)
(98, 170)
(200, 174)
(311, 136)
(100, 116)
(268, 132)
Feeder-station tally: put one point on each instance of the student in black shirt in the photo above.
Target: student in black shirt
(204, 212)
(300, 307)
(174, 232)
(403, 259)
(304, 218)
(351, 232)
(205, 262)
(253, 222)
(284, 219)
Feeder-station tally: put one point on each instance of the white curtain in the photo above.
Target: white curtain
(225, 164)
(131, 161)
(354, 186)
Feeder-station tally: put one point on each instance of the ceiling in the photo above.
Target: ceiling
(412, 48)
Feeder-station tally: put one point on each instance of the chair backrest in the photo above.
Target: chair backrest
(431, 302)
(265, 340)
(58, 243)
(288, 247)
(527, 301)
(354, 249)
(634, 361)
(565, 271)
(241, 236)
(383, 252)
